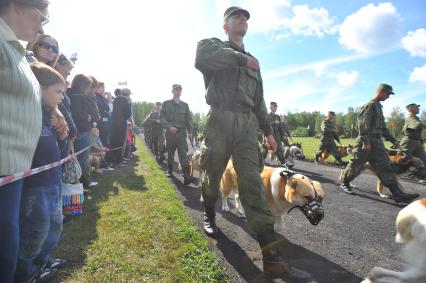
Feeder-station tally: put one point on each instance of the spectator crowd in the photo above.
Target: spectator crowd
(43, 118)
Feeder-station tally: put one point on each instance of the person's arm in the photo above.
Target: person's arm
(213, 54)
(260, 110)
(189, 121)
(163, 117)
(364, 122)
(92, 109)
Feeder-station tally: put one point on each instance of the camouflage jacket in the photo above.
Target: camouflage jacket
(413, 128)
(275, 122)
(227, 79)
(176, 115)
(154, 120)
(371, 122)
(329, 130)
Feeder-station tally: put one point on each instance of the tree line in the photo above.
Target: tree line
(304, 124)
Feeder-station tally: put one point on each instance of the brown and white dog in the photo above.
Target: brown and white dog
(400, 163)
(229, 186)
(341, 149)
(284, 190)
(411, 231)
(194, 165)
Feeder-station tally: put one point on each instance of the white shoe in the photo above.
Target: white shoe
(108, 169)
(346, 189)
(92, 184)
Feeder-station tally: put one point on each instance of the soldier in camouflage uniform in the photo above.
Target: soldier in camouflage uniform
(147, 132)
(370, 147)
(412, 142)
(176, 118)
(328, 135)
(234, 92)
(157, 132)
(277, 131)
(286, 130)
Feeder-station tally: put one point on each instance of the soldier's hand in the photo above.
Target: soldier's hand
(366, 146)
(173, 130)
(252, 63)
(271, 142)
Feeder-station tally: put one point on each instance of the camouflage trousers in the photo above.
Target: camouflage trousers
(378, 159)
(158, 142)
(415, 148)
(177, 141)
(226, 135)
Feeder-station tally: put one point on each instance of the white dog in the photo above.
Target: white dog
(411, 231)
(292, 153)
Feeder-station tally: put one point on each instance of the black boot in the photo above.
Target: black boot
(400, 196)
(162, 158)
(209, 224)
(340, 162)
(170, 170)
(187, 179)
(274, 265)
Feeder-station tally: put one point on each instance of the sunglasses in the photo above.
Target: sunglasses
(43, 19)
(48, 46)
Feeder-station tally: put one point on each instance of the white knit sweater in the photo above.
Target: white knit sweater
(20, 105)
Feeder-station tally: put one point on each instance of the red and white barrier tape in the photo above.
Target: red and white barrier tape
(15, 177)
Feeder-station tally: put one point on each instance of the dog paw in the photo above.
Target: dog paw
(225, 207)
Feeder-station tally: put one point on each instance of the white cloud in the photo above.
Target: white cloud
(418, 75)
(315, 21)
(346, 79)
(415, 42)
(371, 29)
(282, 20)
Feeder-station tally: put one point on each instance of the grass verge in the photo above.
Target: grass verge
(135, 229)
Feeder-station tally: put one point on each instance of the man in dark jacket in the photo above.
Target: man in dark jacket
(104, 123)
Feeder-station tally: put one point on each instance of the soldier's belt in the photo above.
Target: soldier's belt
(233, 108)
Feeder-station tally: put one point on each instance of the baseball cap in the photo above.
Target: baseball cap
(412, 105)
(386, 87)
(234, 9)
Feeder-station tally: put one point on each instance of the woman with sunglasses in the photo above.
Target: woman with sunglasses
(20, 117)
(45, 49)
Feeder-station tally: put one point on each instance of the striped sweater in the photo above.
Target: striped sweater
(20, 105)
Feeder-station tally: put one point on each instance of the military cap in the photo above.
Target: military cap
(157, 103)
(126, 91)
(386, 87)
(176, 86)
(274, 103)
(331, 113)
(412, 105)
(232, 10)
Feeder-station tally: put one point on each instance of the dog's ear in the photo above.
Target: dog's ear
(403, 228)
(318, 189)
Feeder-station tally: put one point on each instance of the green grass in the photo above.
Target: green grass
(135, 229)
(310, 145)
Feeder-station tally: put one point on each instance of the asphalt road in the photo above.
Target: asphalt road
(356, 234)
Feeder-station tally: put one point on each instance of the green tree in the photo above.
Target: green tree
(350, 128)
(395, 123)
(140, 110)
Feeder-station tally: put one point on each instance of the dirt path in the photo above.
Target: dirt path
(356, 234)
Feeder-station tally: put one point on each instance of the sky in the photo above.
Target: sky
(314, 55)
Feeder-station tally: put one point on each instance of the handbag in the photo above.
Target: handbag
(71, 170)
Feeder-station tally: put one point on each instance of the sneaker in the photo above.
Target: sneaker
(346, 189)
(108, 169)
(92, 184)
(56, 263)
(44, 275)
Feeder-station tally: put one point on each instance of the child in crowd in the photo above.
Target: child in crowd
(97, 152)
(41, 206)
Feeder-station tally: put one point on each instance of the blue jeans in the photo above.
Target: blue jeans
(81, 142)
(10, 199)
(41, 228)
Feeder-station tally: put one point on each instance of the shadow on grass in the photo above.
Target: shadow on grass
(79, 234)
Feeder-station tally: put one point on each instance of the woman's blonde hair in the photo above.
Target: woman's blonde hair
(33, 45)
(46, 75)
(81, 84)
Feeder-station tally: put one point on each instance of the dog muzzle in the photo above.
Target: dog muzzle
(313, 210)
